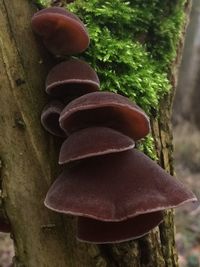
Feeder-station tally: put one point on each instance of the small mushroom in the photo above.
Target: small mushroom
(72, 78)
(50, 118)
(63, 32)
(105, 109)
(93, 141)
(94, 231)
(115, 187)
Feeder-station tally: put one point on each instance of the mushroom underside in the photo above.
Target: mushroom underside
(94, 231)
(74, 88)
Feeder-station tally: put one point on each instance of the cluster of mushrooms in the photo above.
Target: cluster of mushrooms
(116, 191)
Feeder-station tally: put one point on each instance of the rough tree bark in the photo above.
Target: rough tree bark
(28, 162)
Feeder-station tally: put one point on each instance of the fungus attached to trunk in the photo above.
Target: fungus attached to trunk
(72, 78)
(115, 187)
(94, 231)
(107, 110)
(63, 32)
(92, 142)
(50, 118)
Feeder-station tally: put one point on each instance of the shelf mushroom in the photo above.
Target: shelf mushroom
(92, 142)
(50, 118)
(72, 78)
(115, 187)
(108, 110)
(63, 32)
(99, 232)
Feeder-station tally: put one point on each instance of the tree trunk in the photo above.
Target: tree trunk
(28, 156)
(187, 95)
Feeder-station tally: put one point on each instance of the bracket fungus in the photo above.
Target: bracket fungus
(63, 32)
(115, 187)
(116, 191)
(108, 110)
(72, 78)
(50, 118)
(83, 144)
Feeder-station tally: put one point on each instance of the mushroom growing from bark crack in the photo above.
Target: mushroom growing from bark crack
(108, 110)
(63, 32)
(72, 78)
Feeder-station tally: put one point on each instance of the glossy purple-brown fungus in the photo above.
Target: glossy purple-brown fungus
(108, 110)
(63, 32)
(115, 187)
(93, 141)
(72, 78)
(94, 231)
(50, 118)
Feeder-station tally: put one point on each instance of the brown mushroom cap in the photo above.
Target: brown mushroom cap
(93, 142)
(50, 118)
(63, 32)
(72, 78)
(94, 231)
(108, 110)
(115, 187)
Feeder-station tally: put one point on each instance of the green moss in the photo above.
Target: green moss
(43, 3)
(132, 47)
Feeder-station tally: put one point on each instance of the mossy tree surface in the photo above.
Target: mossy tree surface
(135, 48)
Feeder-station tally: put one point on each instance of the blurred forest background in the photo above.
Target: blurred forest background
(186, 125)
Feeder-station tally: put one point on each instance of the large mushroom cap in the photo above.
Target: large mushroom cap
(72, 78)
(94, 231)
(63, 32)
(105, 109)
(50, 118)
(92, 142)
(115, 187)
